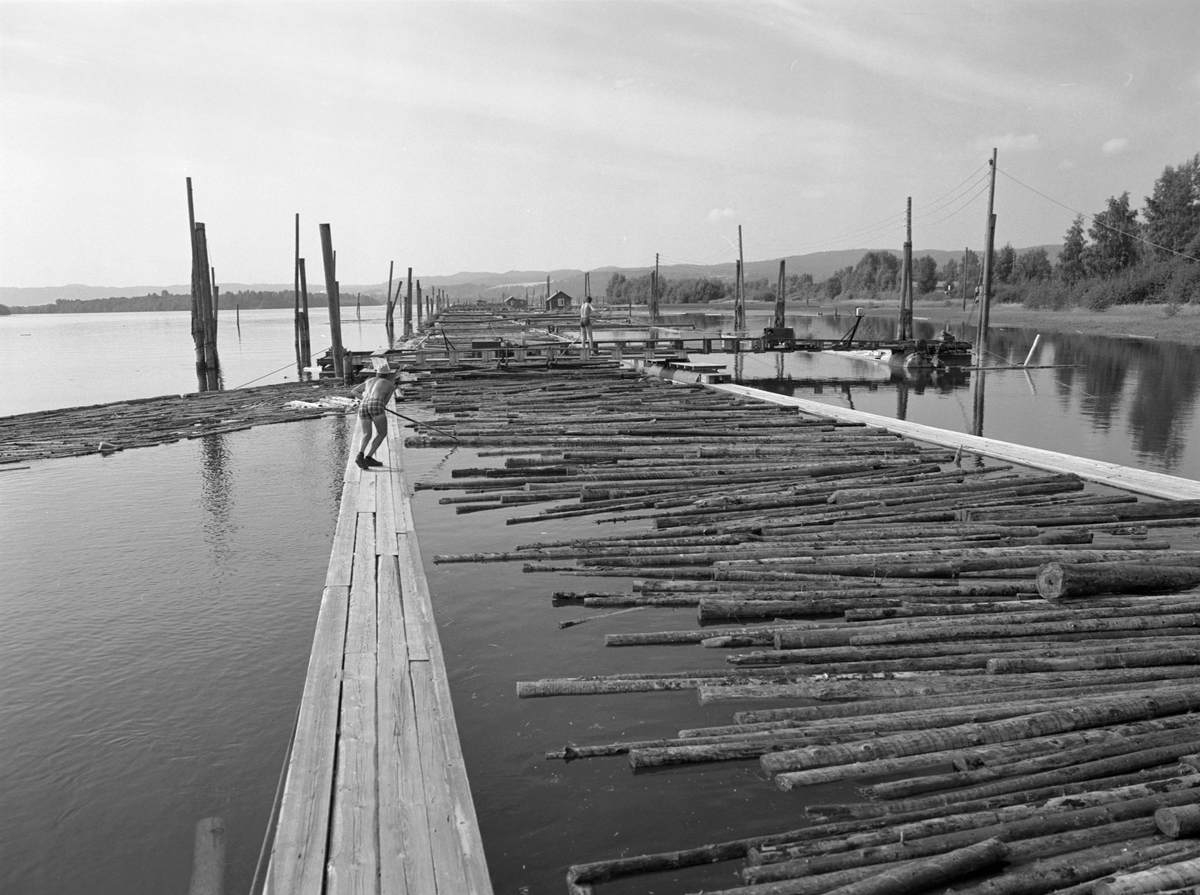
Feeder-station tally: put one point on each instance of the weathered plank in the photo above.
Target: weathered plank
(298, 855)
(405, 856)
(353, 856)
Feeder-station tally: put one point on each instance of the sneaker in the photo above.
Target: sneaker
(362, 463)
(371, 461)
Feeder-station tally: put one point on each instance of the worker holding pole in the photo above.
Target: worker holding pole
(372, 411)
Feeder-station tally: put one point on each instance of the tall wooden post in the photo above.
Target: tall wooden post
(654, 315)
(296, 325)
(305, 333)
(906, 285)
(985, 296)
(207, 323)
(547, 290)
(216, 307)
(779, 302)
(408, 300)
(739, 304)
(420, 308)
(197, 314)
(388, 322)
(963, 277)
(335, 305)
(419, 296)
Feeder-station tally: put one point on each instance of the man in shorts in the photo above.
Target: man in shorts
(585, 324)
(372, 410)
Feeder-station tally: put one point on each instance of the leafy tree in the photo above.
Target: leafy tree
(1173, 213)
(949, 272)
(833, 286)
(1070, 268)
(1114, 239)
(925, 274)
(1004, 261)
(875, 271)
(972, 272)
(615, 290)
(1032, 265)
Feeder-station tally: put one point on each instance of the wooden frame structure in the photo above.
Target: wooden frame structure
(376, 798)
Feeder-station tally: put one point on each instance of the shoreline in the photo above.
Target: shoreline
(1123, 321)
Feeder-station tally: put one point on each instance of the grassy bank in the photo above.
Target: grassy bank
(1138, 321)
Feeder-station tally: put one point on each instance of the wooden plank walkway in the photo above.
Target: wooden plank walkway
(377, 798)
(1139, 481)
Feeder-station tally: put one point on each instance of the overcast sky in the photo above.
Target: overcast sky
(490, 136)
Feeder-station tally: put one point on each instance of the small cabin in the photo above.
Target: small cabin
(514, 301)
(559, 301)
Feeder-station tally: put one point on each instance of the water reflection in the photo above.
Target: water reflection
(1123, 400)
(216, 495)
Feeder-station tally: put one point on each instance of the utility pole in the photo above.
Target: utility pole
(654, 293)
(963, 277)
(739, 305)
(906, 287)
(779, 303)
(985, 297)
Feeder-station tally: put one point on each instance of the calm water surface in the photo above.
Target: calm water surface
(158, 605)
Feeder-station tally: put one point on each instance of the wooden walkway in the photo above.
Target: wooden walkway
(376, 798)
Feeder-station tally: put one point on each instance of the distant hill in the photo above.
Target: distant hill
(477, 284)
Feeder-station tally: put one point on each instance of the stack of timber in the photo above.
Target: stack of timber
(1023, 649)
(145, 422)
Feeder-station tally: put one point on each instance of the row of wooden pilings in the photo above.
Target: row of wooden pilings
(1022, 648)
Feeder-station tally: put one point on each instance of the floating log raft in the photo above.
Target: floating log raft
(145, 422)
(887, 601)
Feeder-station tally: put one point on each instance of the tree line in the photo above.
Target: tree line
(167, 301)
(1118, 259)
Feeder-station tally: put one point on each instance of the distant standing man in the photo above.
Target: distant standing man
(372, 410)
(585, 324)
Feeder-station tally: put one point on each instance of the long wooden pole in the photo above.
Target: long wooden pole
(296, 325)
(985, 296)
(197, 315)
(205, 302)
(305, 333)
(408, 300)
(335, 310)
(779, 300)
(388, 323)
(739, 308)
(906, 286)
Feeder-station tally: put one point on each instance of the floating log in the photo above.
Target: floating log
(1115, 710)
(1128, 753)
(932, 872)
(1160, 879)
(1059, 580)
(1181, 821)
(1046, 875)
(1130, 659)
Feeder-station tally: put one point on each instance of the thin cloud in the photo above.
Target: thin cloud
(720, 214)
(1115, 145)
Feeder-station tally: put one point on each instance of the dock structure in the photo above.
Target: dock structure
(376, 798)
